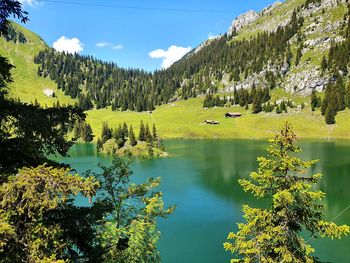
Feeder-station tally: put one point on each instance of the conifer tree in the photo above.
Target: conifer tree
(274, 234)
(347, 97)
(125, 129)
(236, 96)
(142, 133)
(341, 93)
(154, 131)
(283, 106)
(106, 133)
(132, 138)
(88, 137)
(148, 135)
(323, 64)
(330, 113)
(314, 100)
(257, 103)
(278, 109)
(119, 136)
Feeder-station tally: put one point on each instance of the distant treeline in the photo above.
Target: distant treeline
(101, 84)
(94, 82)
(242, 97)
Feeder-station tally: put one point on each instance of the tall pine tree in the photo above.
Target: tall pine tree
(274, 234)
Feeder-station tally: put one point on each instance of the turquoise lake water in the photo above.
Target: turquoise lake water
(200, 178)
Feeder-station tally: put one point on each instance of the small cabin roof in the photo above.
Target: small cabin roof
(234, 113)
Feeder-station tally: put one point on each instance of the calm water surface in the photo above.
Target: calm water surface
(200, 177)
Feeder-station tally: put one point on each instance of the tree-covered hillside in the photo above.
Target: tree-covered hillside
(99, 83)
(266, 59)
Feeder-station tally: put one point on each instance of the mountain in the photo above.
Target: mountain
(298, 45)
(320, 25)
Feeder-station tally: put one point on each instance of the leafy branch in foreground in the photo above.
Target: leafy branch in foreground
(26, 200)
(129, 233)
(274, 234)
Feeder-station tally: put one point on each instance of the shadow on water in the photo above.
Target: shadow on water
(200, 177)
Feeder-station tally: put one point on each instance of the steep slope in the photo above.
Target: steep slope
(27, 85)
(226, 64)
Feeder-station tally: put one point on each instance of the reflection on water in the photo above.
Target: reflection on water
(201, 176)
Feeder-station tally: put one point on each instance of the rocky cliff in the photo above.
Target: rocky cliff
(323, 24)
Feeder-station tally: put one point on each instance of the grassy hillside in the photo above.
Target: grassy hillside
(184, 119)
(27, 85)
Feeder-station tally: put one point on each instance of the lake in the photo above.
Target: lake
(200, 177)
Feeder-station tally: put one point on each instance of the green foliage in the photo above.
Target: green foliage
(347, 96)
(123, 141)
(39, 131)
(142, 133)
(10, 8)
(211, 101)
(106, 133)
(334, 100)
(324, 64)
(330, 114)
(83, 131)
(15, 35)
(133, 140)
(273, 234)
(26, 199)
(28, 133)
(316, 101)
(130, 234)
(105, 84)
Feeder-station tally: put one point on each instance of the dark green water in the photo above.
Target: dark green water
(201, 176)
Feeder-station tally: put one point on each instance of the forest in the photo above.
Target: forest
(98, 84)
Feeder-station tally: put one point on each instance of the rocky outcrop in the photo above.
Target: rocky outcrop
(243, 20)
(249, 17)
(304, 82)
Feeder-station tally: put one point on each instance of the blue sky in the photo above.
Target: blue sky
(128, 36)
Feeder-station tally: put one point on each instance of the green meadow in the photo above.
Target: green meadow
(185, 119)
(27, 85)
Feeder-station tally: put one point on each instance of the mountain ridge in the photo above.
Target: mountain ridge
(238, 60)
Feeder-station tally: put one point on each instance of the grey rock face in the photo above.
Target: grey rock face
(305, 82)
(243, 20)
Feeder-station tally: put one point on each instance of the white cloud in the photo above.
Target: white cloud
(70, 45)
(103, 44)
(32, 3)
(107, 44)
(173, 54)
(119, 46)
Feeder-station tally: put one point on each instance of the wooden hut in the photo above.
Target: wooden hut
(211, 122)
(233, 115)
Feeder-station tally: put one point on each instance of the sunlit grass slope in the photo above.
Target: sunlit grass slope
(27, 85)
(185, 119)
